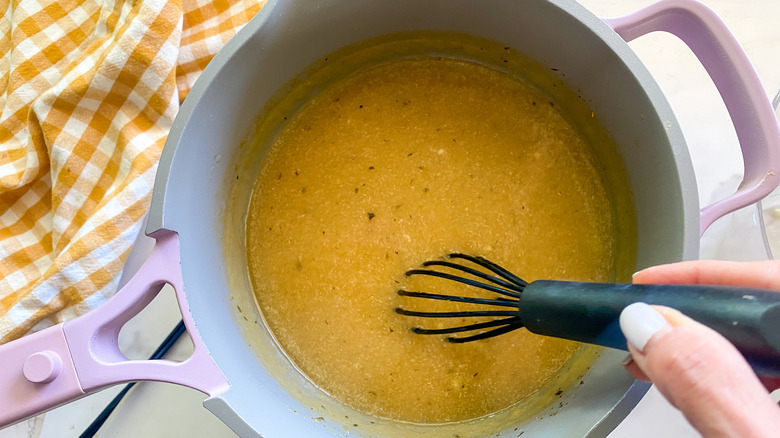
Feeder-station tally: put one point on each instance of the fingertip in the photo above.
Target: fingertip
(634, 369)
(637, 277)
(640, 322)
(649, 275)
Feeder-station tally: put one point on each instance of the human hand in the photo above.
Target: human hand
(761, 275)
(694, 367)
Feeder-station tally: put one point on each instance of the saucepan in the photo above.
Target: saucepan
(258, 396)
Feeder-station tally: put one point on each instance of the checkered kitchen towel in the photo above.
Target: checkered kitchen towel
(89, 91)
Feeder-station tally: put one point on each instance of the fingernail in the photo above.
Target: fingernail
(639, 323)
(627, 360)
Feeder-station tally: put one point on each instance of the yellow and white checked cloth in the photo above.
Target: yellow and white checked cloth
(89, 91)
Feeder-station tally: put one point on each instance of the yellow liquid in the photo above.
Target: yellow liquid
(404, 162)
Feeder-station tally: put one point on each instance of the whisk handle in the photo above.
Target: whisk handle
(589, 312)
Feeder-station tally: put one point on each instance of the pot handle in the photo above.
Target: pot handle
(70, 360)
(727, 64)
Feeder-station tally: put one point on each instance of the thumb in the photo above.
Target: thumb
(699, 372)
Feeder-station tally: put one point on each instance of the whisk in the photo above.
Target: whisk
(589, 312)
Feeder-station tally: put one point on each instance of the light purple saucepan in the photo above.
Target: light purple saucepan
(251, 385)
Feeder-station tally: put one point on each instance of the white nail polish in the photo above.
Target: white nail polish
(639, 322)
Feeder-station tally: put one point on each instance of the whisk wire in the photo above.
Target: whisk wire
(485, 335)
(487, 264)
(464, 314)
(482, 325)
(474, 272)
(468, 281)
(486, 301)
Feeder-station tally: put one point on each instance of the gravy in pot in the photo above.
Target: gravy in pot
(403, 162)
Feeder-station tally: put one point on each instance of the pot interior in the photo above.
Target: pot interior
(198, 169)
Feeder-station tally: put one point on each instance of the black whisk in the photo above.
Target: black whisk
(507, 284)
(589, 312)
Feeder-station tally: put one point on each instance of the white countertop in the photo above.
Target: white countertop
(163, 410)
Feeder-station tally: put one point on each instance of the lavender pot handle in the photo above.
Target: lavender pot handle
(727, 64)
(62, 363)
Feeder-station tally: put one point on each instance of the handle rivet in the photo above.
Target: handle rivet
(42, 367)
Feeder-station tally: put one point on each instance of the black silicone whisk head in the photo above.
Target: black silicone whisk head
(506, 285)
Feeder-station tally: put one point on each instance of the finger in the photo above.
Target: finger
(770, 383)
(699, 372)
(764, 274)
(633, 369)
